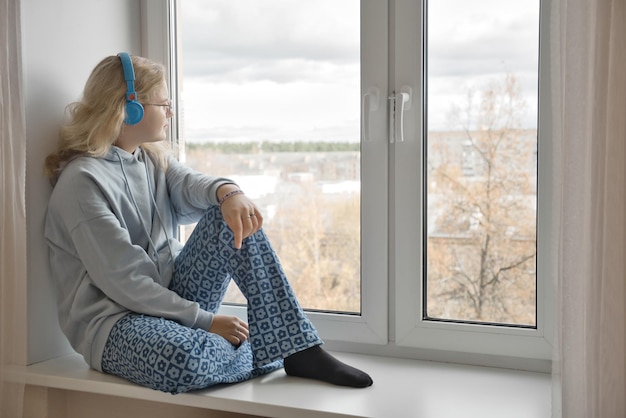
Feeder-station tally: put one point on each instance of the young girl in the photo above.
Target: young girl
(132, 299)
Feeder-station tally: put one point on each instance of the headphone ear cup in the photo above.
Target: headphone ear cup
(134, 112)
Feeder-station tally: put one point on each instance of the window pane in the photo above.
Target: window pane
(270, 98)
(482, 85)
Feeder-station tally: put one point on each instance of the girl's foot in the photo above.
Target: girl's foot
(315, 363)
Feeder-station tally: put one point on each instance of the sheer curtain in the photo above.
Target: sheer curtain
(589, 103)
(12, 210)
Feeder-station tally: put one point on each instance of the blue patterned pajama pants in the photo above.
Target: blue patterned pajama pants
(167, 356)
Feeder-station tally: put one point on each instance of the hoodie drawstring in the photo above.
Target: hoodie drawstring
(156, 208)
(141, 219)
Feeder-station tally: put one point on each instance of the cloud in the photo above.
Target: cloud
(290, 70)
(474, 38)
(473, 44)
(268, 110)
(228, 39)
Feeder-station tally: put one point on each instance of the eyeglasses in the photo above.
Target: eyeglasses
(169, 107)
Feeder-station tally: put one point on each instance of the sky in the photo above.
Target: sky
(289, 70)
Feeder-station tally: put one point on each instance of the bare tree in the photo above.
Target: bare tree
(482, 210)
(318, 239)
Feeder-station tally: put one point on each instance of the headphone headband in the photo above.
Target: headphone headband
(134, 109)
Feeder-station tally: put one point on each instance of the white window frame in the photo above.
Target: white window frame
(391, 321)
(411, 329)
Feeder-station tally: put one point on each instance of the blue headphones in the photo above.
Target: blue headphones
(134, 109)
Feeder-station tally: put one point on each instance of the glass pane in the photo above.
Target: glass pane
(482, 85)
(270, 97)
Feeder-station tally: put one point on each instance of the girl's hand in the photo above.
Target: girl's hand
(233, 329)
(241, 215)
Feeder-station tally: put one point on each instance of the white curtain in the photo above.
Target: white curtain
(588, 59)
(12, 210)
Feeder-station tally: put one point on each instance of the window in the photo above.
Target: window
(466, 179)
(353, 111)
(482, 60)
(273, 100)
(257, 110)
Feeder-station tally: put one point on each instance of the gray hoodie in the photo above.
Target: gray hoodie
(110, 227)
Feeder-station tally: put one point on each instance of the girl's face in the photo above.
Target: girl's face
(154, 125)
(157, 114)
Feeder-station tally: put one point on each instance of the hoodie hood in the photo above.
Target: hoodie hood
(115, 153)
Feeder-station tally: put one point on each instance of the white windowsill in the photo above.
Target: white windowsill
(402, 388)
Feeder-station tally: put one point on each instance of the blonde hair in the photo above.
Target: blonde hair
(95, 122)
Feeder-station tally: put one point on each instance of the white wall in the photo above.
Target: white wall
(62, 40)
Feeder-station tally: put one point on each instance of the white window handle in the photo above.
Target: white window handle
(403, 101)
(369, 105)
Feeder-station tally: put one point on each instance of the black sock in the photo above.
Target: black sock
(315, 363)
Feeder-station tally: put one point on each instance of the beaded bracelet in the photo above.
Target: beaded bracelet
(229, 195)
